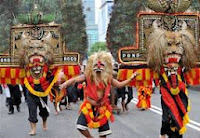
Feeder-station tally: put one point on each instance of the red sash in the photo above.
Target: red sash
(175, 103)
(91, 90)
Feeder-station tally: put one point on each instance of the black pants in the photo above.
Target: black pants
(122, 93)
(10, 104)
(130, 94)
(34, 102)
(167, 122)
(82, 125)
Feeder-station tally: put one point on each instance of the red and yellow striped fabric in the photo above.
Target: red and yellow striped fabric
(144, 78)
(13, 75)
(71, 71)
(9, 75)
(192, 76)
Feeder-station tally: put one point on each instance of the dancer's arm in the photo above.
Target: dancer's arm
(125, 82)
(80, 78)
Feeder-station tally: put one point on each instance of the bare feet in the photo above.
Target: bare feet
(86, 133)
(32, 133)
(56, 113)
(60, 108)
(69, 107)
(126, 107)
(123, 107)
(44, 126)
(114, 107)
(162, 136)
(33, 129)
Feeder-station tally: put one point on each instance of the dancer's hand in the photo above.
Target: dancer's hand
(134, 75)
(62, 86)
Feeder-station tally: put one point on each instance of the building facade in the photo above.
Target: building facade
(103, 14)
(91, 26)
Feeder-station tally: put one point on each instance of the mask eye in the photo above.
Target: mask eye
(169, 44)
(178, 44)
(41, 48)
(30, 48)
(102, 64)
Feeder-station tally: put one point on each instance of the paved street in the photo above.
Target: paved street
(132, 124)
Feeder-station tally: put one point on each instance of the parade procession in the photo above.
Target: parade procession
(100, 68)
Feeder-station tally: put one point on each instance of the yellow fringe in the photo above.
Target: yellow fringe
(143, 104)
(189, 106)
(182, 130)
(108, 114)
(38, 93)
(91, 115)
(186, 119)
(84, 110)
(88, 106)
(186, 91)
(94, 125)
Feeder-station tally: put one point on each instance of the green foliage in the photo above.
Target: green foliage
(7, 10)
(47, 7)
(67, 12)
(74, 32)
(35, 19)
(196, 5)
(121, 29)
(98, 46)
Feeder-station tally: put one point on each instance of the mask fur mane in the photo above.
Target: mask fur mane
(105, 76)
(25, 53)
(158, 44)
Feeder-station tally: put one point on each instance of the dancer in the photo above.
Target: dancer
(15, 98)
(114, 94)
(57, 96)
(95, 111)
(122, 93)
(39, 78)
(144, 97)
(172, 54)
(129, 93)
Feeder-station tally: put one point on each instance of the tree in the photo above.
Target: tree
(196, 4)
(7, 10)
(74, 33)
(98, 46)
(67, 12)
(121, 29)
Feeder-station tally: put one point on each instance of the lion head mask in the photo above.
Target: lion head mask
(36, 55)
(99, 67)
(171, 48)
